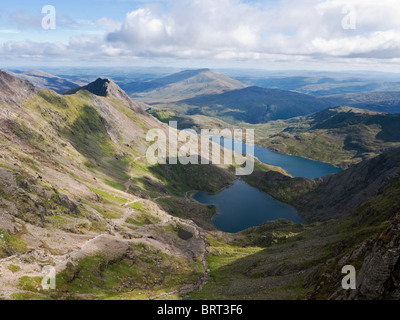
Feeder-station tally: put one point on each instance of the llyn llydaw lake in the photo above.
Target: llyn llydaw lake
(242, 206)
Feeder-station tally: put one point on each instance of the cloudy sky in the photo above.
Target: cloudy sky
(270, 34)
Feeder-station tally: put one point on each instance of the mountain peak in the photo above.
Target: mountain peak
(182, 85)
(105, 87)
(100, 87)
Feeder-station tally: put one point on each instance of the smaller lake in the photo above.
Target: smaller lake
(242, 206)
(294, 165)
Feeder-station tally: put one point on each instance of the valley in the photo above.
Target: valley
(77, 194)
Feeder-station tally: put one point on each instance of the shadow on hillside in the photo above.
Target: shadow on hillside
(88, 135)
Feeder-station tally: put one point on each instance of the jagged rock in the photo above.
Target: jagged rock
(379, 276)
(107, 88)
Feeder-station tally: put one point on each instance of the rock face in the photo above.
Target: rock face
(106, 88)
(13, 89)
(379, 276)
(340, 194)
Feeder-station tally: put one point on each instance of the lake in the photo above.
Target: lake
(294, 165)
(242, 206)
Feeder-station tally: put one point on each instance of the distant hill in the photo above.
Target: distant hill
(181, 85)
(255, 105)
(377, 101)
(336, 135)
(42, 80)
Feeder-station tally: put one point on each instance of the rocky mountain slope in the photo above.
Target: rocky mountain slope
(13, 89)
(106, 88)
(76, 193)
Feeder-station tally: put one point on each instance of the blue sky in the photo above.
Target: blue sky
(288, 34)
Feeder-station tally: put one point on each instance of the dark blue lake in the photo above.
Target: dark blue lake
(242, 206)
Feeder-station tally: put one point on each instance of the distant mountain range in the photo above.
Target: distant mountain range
(43, 80)
(204, 92)
(325, 83)
(377, 101)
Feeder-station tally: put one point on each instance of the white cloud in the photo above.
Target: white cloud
(230, 28)
(9, 31)
(290, 30)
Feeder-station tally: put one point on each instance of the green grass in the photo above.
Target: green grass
(142, 219)
(32, 284)
(222, 256)
(11, 244)
(136, 205)
(97, 276)
(115, 185)
(13, 268)
(111, 197)
(28, 296)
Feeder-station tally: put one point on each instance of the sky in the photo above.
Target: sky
(275, 34)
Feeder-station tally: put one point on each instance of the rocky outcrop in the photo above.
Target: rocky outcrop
(106, 88)
(379, 275)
